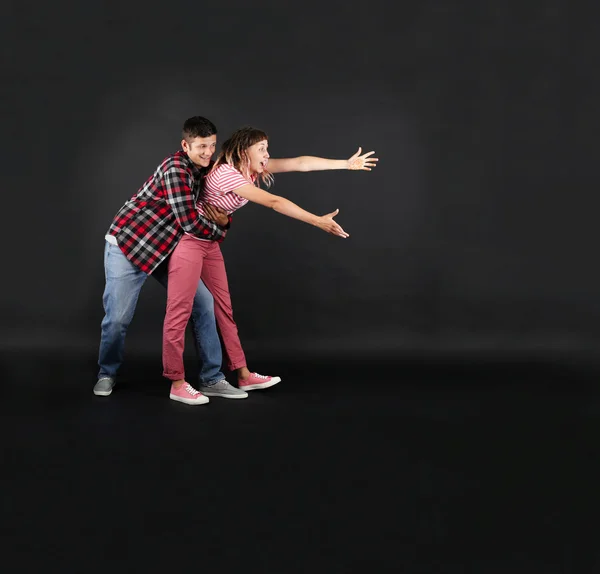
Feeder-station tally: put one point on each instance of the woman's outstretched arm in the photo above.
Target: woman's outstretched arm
(359, 161)
(287, 207)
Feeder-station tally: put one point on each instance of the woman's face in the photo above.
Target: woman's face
(258, 156)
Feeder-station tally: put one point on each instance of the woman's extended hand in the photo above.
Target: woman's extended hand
(362, 162)
(327, 224)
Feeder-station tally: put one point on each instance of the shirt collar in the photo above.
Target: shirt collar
(197, 172)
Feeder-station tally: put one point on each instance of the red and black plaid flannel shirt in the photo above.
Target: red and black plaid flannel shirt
(149, 225)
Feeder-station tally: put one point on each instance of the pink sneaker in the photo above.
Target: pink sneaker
(256, 381)
(188, 395)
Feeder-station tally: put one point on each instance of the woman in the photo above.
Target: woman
(241, 165)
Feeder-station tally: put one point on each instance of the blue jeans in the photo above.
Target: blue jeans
(123, 285)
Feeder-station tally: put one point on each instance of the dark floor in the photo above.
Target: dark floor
(379, 467)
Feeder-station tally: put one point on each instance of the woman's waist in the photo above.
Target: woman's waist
(228, 208)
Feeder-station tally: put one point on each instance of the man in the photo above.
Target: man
(142, 235)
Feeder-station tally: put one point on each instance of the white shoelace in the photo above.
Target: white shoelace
(191, 390)
(264, 377)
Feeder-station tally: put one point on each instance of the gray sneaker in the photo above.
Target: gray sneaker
(104, 386)
(222, 389)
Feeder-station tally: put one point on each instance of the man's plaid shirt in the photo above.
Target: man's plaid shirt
(149, 225)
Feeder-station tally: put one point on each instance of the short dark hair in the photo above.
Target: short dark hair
(198, 127)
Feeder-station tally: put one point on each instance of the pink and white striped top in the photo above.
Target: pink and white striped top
(219, 189)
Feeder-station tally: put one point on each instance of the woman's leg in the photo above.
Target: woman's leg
(204, 329)
(185, 267)
(214, 276)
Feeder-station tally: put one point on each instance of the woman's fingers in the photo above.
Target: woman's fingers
(337, 230)
(331, 226)
(362, 162)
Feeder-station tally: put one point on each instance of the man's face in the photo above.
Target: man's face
(200, 150)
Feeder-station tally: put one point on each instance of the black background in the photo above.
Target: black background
(476, 233)
(439, 404)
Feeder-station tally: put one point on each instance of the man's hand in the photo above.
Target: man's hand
(362, 162)
(216, 214)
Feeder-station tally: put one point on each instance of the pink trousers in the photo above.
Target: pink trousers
(191, 261)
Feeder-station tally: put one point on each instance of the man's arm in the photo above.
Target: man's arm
(310, 163)
(181, 199)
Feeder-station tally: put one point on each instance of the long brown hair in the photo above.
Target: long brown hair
(233, 152)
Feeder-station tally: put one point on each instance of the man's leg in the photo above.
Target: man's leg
(204, 330)
(123, 284)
